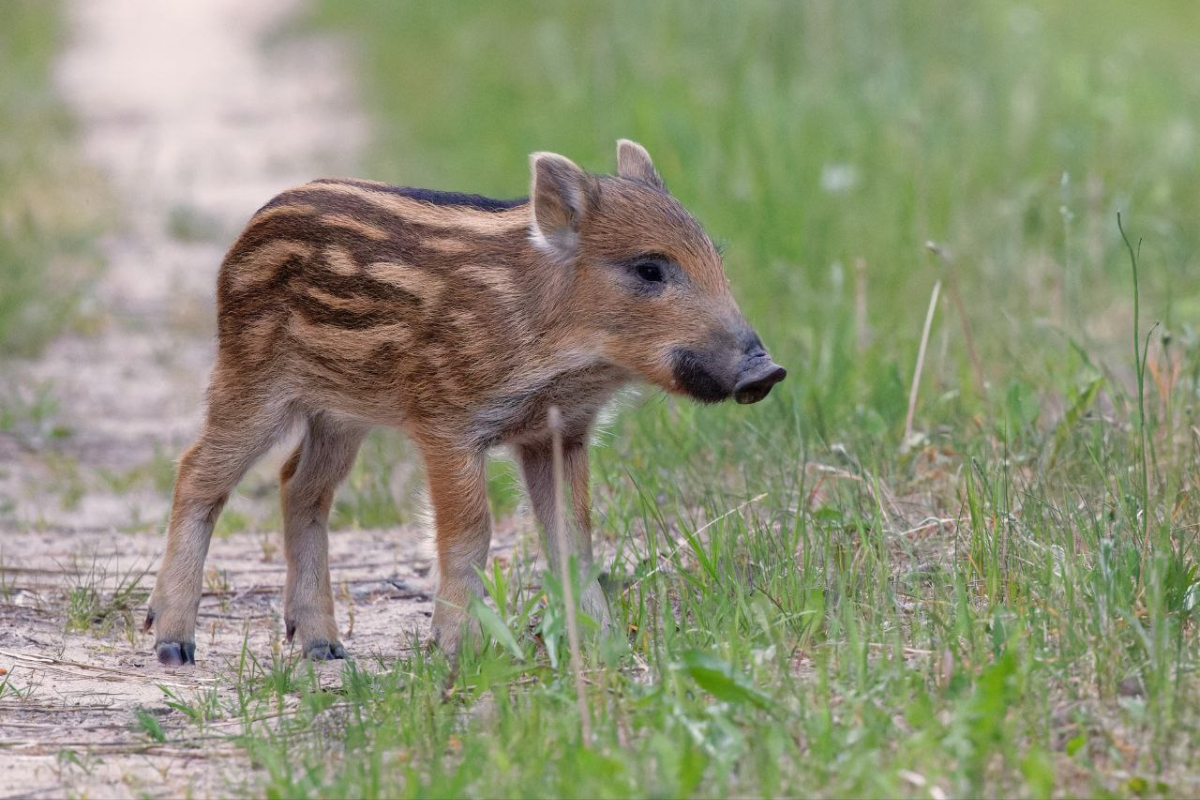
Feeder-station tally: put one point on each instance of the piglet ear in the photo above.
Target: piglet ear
(562, 194)
(633, 162)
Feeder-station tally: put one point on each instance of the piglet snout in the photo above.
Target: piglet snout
(757, 375)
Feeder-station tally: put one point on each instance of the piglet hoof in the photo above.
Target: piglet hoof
(595, 605)
(176, 654)
(324, 651)
(451, 636)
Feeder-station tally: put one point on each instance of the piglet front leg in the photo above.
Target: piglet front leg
(458, 491)
(537, 466)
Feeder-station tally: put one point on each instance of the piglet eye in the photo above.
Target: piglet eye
(650, 271)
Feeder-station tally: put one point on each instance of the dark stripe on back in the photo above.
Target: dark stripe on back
(309, 230)
(434, 197)
(407, 234)
(318, 313)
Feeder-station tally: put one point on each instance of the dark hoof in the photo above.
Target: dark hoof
(176, 654)
(324, 651)
(148, 625)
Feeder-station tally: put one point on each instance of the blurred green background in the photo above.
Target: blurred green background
(812, 136)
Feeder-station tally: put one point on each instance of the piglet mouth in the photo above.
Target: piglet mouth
(693, 378)
(756, 377)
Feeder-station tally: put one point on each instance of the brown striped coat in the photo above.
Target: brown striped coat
(460, 320)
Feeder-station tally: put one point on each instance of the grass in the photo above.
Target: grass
(815, 602)
(1001, 603)
(94, 601)
(48, 213)
(377, 492)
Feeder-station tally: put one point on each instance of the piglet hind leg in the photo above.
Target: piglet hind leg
(458, 492)
(236, 434)
(308, 481)
(537, 466)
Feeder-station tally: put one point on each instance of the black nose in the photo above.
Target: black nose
(759, 373)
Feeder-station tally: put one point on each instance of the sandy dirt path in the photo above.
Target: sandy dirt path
(195, 113)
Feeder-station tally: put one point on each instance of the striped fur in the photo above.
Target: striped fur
(459, 319)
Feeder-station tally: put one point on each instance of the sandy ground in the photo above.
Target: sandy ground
(196, 114)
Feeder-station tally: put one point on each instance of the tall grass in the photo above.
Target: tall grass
(1003, 604)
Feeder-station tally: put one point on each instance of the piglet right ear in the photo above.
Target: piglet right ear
(633, 162)
(562, 195)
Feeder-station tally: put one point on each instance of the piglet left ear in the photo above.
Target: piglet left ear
(562, 194)
(633, 162)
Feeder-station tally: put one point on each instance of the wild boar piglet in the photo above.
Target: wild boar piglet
(460, 320)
